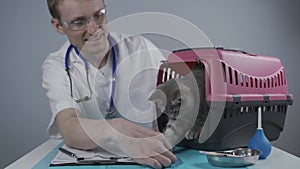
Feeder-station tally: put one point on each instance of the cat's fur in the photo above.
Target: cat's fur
(183, 101)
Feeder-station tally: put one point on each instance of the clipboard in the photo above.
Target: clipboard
(68, 156)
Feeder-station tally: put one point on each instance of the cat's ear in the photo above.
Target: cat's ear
(159, 98)
(157, 95)
(169, 86)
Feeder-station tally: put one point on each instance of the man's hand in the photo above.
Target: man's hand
(145, 146)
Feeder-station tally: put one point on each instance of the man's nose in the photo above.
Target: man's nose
(92, 27)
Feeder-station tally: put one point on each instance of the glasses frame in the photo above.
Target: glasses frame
(68, 25)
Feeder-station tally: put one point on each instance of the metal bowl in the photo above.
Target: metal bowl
(239, 157)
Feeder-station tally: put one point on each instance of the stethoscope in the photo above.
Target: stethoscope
(110, 112)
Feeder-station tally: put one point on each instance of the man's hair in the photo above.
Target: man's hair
(53, 8)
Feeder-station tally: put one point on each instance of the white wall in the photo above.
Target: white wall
(268, 27)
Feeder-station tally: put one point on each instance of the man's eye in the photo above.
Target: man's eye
(79, 22)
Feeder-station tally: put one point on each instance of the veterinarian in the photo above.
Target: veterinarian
(98, 83)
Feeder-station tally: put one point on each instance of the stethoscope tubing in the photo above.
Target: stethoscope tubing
(114, 68)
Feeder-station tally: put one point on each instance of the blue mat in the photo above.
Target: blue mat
(186, 159)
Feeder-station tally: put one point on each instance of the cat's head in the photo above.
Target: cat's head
(176, 96)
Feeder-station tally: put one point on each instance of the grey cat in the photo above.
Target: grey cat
(183, 101)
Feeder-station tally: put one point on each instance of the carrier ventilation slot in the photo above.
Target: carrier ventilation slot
(247, 110)
(234, 77)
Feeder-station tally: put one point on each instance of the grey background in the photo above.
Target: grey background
(268, 27)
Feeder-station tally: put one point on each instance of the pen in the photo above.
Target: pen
(71, 154)
(67, 152)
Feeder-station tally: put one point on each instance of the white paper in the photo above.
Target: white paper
(95, 155)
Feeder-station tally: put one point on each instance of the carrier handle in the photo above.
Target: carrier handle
(235, 50)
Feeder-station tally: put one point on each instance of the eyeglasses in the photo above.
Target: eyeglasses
(81, 23)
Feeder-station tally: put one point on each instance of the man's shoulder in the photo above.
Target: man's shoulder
(129, 39)
(62, 49)
(138, 47)
(58, 56)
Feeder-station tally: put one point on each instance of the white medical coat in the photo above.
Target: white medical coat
(138, 62)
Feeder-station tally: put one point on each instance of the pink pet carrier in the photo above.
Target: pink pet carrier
(236, 84)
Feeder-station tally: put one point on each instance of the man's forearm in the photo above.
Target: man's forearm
(82, 133)
(85, 133)
(117, 136)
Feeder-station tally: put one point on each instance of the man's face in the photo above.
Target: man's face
(92, 39)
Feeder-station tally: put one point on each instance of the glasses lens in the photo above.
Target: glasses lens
(99, 17)
(79, 24)
(82, 23)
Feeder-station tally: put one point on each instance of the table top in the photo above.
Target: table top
(278, 159)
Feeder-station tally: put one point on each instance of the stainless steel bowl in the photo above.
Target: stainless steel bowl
(233, 158)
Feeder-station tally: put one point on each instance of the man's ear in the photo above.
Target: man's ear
(57, 26)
